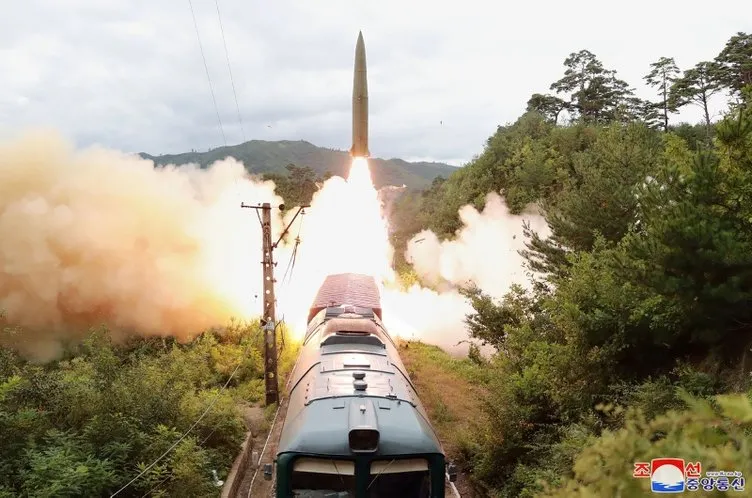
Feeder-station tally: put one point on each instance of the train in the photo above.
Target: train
(355, 426)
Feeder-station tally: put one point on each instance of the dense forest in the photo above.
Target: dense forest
(635, 342)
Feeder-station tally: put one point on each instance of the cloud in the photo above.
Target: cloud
(129, 74)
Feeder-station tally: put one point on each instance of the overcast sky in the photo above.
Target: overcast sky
(129, 74)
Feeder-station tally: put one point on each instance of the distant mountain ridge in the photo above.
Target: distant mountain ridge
(261, 156)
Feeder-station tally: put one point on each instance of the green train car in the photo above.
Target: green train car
(354, 426)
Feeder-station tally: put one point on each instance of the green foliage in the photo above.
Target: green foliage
(547, 105)
(491, 321)
(650, 303)
(697, 136)
(64, 466)
(297, 187)
(87, 424)
(734, 64)
(646, 288)
(663, 75)
(596, 94)
(696, 86)
(598, 197)
(715, 434)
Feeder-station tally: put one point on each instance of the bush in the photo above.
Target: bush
(716, 433)
(87, 424)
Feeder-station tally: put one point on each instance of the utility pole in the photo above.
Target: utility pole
(268, 317)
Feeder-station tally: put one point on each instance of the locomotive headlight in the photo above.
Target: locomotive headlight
(364, 440)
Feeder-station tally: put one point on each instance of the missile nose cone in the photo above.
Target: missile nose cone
(360, 53)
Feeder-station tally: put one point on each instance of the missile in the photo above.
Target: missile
(360, 102)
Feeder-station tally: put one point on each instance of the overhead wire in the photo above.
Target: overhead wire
(293, 259)
(294, 255)
(208, 77)
(185, 434)
(291, 265)
(229, 69)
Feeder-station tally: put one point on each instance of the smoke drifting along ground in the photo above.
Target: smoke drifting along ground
(99, 237)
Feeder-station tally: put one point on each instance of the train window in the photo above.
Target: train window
(405, 478)
(322, 478)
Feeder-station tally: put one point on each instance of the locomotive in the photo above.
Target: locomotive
(355, 427)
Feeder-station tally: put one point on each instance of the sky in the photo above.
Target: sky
(129, 74)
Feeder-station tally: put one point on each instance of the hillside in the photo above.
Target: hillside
(261, 156)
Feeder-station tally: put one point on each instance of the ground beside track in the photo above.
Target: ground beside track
(452, 391)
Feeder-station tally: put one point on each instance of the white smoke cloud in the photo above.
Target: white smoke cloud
(97, 236)
(484, 251)
(432, 317)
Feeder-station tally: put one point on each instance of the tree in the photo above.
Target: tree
(734, 64)
(663, 74)
(693, 247)
(547, 105)
(298, 186)
(632, 109)
(598, 197)
(696, 86)
(596, 91)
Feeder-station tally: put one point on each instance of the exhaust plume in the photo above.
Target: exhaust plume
(98, 236)
(484, 251)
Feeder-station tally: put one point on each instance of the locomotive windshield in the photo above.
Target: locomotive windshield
(404, 478)
(320, 478)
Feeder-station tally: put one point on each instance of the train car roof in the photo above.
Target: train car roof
(348, 372)
(347, 289)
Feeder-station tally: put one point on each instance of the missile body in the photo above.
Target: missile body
(360, 102)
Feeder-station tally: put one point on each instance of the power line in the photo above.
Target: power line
(216, 397)
(294, 255)
(229, 69)
(211, 87)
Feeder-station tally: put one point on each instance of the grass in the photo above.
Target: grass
(451, 390)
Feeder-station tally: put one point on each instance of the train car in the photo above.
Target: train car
(355, 426)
